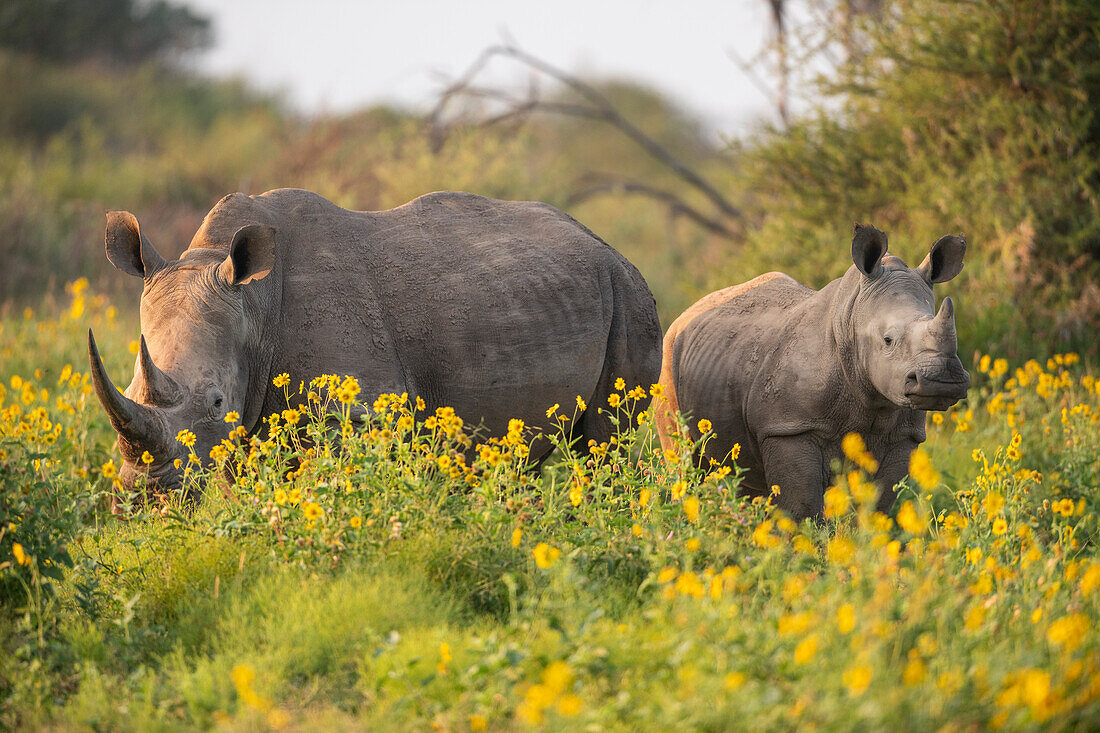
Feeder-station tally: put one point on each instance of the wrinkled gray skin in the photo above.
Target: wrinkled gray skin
(497, 309)
(787, 371)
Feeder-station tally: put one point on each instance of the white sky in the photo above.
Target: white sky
(336, 55)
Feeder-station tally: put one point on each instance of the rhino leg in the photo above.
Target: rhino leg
(797, 465)
(633, 353)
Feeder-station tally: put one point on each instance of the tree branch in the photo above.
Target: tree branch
(676, 205)
(598, 107)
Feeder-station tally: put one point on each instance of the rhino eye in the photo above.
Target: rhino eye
(888, 340)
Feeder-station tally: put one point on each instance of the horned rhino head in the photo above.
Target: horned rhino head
(901, 344)
(192, 367)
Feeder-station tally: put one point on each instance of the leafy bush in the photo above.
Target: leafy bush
(954, 117)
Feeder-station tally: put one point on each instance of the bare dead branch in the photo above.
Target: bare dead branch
(676, 205)
(598, 107)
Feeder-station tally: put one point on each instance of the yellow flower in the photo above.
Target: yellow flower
(545, 555)
(581, 405)
(614, 399)
(704, 426)
(280, 496)
(993, 503)
(109, 470)
(762, 535)
(147, 458)
(846, 618)
(915, 671)
(656, 390)
(356, 522)
(691, 508)
(920, 468)
(1069, 631)
(692, 544)
(312, 511)
(553, 409)
(636, 530)
(840, 550)
(667, 574)
(856, 450)
(857, 679)
(20, 556)
(837, 502)
(348, 390)
(910, 520)
(478, 723)
(806, 649)
(517, 535)
(733, 680)
(282, 380)
(231, 417)
(1000, 526)
(569, 705)
(186, 437)
(576, 495)
(974, 618)
(1090, 579)
(620, 384)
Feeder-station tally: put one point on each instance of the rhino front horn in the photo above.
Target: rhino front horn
(137, 425)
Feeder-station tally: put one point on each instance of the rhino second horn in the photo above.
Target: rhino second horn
(159, 388)
(136, 424)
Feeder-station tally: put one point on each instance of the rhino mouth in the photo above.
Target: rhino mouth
(925, 392)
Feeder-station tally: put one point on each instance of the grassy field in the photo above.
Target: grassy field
(386, 584)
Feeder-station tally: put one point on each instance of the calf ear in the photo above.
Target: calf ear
(251, 255)
(868, 247)
(127, 248)
(945, 260)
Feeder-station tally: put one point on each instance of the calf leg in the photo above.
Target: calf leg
(797, 465)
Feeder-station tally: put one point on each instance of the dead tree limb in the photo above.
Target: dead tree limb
(596, 106)
(676, 205)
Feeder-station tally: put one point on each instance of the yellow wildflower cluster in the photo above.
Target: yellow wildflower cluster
(553, 691)
(855, 449)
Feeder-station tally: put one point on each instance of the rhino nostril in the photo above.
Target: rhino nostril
(911, 382)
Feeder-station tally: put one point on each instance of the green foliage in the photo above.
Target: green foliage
(119, 31)
(955, 116)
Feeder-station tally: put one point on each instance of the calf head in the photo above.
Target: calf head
(901, 345)
(191, 368)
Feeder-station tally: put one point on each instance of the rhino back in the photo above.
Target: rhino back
(495, 308)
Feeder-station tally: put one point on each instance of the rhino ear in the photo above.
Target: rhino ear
(251, 255)
(945, 260)
(868, 247)
(127, 248)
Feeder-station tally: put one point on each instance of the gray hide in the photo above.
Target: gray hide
(786, 371)
(497, 309)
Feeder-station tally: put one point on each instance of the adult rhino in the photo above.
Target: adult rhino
(495, 308)
(786, 371)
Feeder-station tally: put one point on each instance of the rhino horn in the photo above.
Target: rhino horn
(136, 424)
(159, 388)
(943, 325)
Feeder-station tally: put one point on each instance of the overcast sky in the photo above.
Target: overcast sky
(333, 55)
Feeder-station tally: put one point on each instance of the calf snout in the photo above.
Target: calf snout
(937, 386)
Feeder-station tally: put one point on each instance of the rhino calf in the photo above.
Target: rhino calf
(787, 371)
(495, 308)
